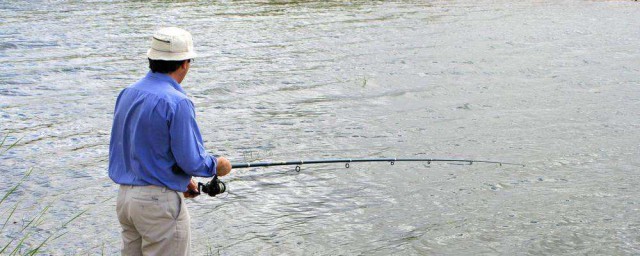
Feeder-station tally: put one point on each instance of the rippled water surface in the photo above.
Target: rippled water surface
(551, 84)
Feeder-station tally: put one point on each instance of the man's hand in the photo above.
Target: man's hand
(192, 190)
(224, 166)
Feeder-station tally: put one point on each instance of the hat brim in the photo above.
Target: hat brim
(160, 55)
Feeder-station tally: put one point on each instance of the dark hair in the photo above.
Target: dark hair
(165, 66)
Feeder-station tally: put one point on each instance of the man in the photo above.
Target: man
(155, 150)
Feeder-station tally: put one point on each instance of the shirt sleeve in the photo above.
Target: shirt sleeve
(186, 142)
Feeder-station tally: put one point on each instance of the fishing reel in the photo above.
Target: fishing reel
(213, 187)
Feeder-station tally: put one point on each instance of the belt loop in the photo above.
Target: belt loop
(164, 189)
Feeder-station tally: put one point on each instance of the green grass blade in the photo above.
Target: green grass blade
(37, 249)
(10, 146)
(60, 235)
(74, 217)
(15, 250)
(38, 218)
(14, 188)
(3, 140)
(9, 217)
(6, 246)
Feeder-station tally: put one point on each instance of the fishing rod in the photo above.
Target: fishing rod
(347, 161)
(215, 186)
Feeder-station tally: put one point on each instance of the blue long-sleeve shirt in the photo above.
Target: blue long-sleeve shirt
(155, 139)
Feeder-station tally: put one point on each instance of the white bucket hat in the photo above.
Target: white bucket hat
(171, 44)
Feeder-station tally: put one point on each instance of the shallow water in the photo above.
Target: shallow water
(550, 84)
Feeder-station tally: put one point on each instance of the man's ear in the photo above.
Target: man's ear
(185, 64)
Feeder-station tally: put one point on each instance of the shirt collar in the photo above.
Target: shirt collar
(166, 78)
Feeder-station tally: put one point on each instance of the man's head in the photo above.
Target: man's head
(171, 52)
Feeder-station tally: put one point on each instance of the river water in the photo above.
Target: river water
(550, 84)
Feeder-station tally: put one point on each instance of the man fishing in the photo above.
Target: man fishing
(155, 150)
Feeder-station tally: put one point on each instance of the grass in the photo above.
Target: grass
(23, 241)
(8, 147)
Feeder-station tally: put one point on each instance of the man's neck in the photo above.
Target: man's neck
(177, 77)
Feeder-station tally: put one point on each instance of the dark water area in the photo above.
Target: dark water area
(550, 84)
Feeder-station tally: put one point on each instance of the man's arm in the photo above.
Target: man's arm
(187, 145)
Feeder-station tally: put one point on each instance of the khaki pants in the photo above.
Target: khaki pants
(154, 221)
